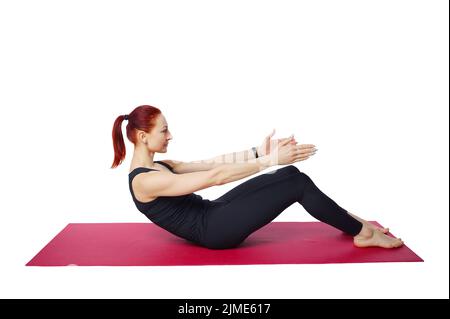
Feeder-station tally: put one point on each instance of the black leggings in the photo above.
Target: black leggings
(253, 204)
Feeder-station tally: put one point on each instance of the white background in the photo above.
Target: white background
(365, 81)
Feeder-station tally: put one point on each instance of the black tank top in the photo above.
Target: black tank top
(182, 215)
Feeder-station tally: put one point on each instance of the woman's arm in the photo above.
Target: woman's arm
(180, 167)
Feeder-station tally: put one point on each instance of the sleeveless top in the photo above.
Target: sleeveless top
(181, 215)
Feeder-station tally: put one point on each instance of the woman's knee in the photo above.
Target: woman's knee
(297, 173)
(291, 169)
(304, 178)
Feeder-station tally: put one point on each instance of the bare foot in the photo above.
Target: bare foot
(376, 239)
(369, 224)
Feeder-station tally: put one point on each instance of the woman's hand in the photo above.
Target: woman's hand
(288, 153)
(268, 144)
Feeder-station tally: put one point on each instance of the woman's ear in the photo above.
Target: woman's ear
(142, 136)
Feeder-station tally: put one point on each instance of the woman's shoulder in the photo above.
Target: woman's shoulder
(167, 163)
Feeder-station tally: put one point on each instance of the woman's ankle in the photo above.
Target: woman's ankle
(365, 232)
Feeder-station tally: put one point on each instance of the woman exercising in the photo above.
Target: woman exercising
(164, 190)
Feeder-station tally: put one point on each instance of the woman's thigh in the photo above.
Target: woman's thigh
(252, 205)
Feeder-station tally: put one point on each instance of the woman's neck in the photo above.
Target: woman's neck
(142, 158)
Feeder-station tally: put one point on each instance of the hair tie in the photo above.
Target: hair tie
(125, 117)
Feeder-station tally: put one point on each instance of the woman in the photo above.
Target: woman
(164, 190)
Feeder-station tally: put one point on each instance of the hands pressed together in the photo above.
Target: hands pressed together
(285, 150)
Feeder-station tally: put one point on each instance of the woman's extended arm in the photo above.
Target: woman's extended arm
(204, 165)
(285, 152)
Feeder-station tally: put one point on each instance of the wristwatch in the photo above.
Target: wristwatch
(255, 151)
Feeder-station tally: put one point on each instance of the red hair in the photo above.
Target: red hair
(141, 118)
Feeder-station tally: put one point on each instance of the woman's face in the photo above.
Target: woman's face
(160, 135)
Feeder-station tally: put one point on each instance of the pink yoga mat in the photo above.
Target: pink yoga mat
(145, 244)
